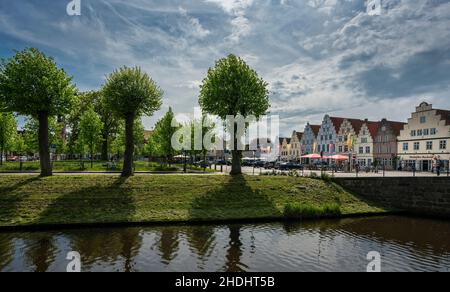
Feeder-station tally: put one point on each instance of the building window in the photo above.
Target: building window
(413, 133)
(416, 146)
(340, 149)
(426, 132)
(346, 149)
(419, 132)
(433, 131)
(430, 145)
(405, 146)
(361, 150)
(363, 140)
(367, 150)
(423, 120)
(443, 145)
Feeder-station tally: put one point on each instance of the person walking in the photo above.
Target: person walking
(438, 168)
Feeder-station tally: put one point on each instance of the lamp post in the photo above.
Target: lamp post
(185, 162)
(254, 160)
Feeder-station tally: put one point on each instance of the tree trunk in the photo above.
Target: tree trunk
(92, 157)
(236, 168)
(105, 147)
(44, 147)
(1, 155)
(129, 146)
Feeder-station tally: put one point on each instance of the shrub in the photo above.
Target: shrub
(313, 175)
(308, 211)
(325, 177)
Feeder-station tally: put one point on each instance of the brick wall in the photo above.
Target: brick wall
(428, 196)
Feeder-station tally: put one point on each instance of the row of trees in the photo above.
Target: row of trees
(31, 84)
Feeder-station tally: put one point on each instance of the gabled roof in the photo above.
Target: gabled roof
(445, 115)
(315, 129)
(299, 135)
(281, 140)
(337, 122)
(396, 126)
(356, 124)
(373, 128)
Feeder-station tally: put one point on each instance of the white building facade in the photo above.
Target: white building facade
(365, 142)
(296, 147)
(309, 139)
(425, 140)
(327, 136)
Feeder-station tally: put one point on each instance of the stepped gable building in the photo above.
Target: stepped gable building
(385, 144)
(365, 141)
(296, 149)
(425, 139)
(309, 139)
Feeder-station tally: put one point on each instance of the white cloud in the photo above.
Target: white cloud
(240, 24)
(318, 56)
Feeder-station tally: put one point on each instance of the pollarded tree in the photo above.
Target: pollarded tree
(130, 93)
(31, 84)
(163, 133)
(232, 88)
(8, 130)
(90, 132)
(206, 127)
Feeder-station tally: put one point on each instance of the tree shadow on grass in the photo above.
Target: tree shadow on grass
(110, 202)
(11, 198)
(234, 200)
(6, 190)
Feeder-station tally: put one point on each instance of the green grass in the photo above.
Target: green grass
(98, 166)
(309, 211)
(82, 199)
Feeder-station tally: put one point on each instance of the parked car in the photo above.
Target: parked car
(222, 162)
(202, 164)
(259, 164)
(247, 163)
(13, 158)
(269, 165)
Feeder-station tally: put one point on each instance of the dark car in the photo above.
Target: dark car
(269, 165)
(259, 164)
(247, 163)
(222, 162)
(202, 164)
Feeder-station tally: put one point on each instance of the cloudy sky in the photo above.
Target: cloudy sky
(319, 56)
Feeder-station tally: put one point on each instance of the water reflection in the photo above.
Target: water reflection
(234, 252)
(406, 244)
(40, 252)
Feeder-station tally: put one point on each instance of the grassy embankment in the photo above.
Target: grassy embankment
(34, 201)
(98, 166)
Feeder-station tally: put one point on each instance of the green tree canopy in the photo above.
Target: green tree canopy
(32, 84)
(31, 139)
(118, 143)
(90, 131)
(8, 131)
(162, 135)
(232, 88)
(130, 93)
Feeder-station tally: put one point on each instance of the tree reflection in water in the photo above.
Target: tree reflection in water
(40, 252)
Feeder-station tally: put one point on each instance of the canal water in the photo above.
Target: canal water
(405, 244)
